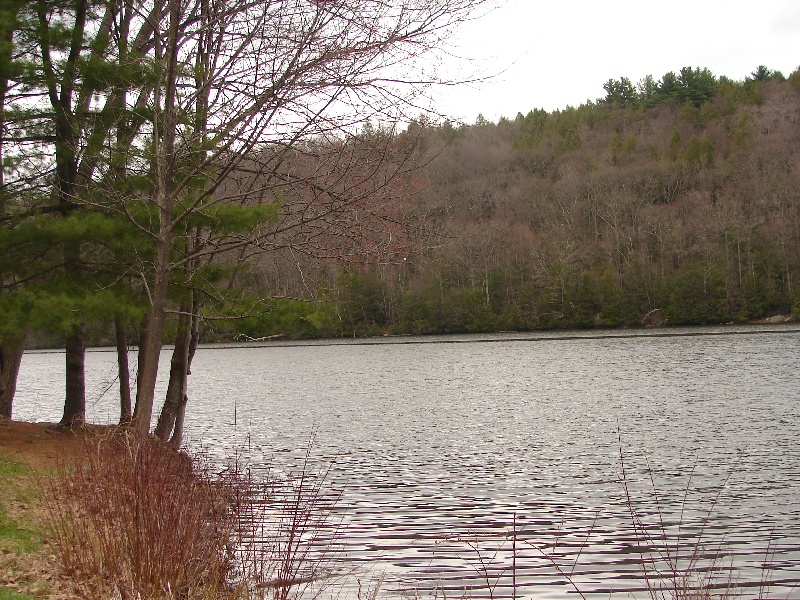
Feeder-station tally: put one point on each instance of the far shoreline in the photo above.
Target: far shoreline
(783, 326)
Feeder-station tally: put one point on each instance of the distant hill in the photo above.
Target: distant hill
(670, 202)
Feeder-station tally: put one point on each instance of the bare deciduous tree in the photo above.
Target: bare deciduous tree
(278, 88)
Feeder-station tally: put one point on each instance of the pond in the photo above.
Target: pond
(492, 465)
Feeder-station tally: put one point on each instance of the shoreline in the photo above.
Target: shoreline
(537, 335)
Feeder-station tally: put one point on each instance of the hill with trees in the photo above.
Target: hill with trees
(673, 201)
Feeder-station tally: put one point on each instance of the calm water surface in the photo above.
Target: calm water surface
(460, 460)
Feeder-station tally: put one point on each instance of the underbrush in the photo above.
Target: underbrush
(133, 519)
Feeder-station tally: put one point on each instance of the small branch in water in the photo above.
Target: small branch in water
(242, 337)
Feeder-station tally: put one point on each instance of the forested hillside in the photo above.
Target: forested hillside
(671, 202)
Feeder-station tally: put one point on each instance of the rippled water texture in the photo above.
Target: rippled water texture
(479, 463)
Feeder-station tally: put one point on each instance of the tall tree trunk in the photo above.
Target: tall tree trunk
(163, 162)
(150, 348)
(11, 346)
(60, 91)
(193, 236)
(75, 386)
(125, 413)
(75, 399)
(177, 432)
(11, 350)
(178, 373)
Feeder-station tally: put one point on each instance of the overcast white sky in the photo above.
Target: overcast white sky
(550, 54)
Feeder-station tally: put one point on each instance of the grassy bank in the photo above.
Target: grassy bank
(87, 514)
(20, 543)
(28, 566)
(97, 513)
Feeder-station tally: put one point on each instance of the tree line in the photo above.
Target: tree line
(690, 85)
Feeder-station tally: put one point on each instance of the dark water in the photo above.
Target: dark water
(492, 466)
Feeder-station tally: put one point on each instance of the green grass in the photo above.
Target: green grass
(13, 536)
(7, 594)
(16, 539)
(11, 468)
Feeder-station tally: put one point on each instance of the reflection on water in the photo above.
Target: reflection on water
(469, 465)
